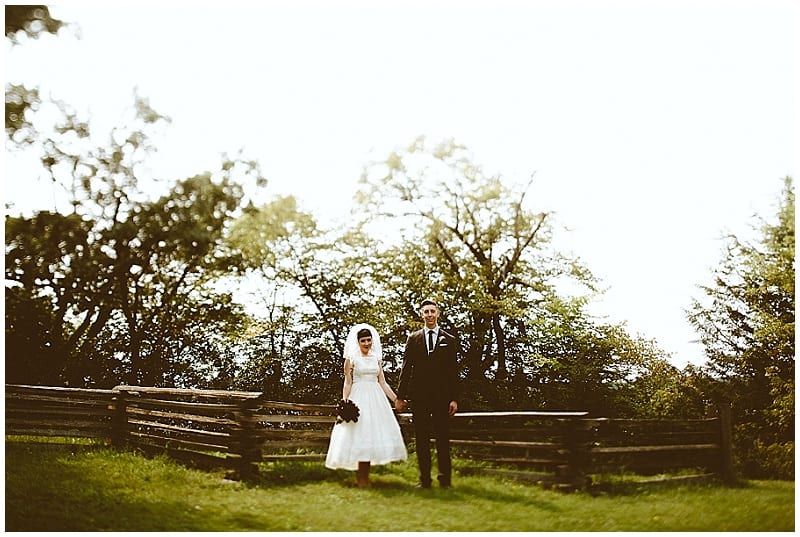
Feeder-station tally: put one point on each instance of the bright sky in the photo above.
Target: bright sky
(653, 127)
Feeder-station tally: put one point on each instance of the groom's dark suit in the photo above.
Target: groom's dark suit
(429, 382)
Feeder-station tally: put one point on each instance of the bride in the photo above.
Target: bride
(375, 437)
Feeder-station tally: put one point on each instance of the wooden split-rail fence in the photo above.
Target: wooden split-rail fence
(239, 430)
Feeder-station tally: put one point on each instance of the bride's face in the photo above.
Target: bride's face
(365, 343)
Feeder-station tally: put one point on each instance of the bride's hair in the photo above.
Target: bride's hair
(351, 347)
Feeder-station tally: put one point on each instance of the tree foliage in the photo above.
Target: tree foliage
(478, 238)
(474, 243)
(129, 279)
(316, 285)
(747, 323)
(479, 250)
(31, 21)
(19, 100)
(127, 276)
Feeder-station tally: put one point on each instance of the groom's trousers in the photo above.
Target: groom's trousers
(431, 419)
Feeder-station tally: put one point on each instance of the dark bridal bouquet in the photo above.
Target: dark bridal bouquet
(346, 410)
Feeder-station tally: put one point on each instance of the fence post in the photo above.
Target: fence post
(726, 441)
(246, 446)
(572, 476)
(119, 419)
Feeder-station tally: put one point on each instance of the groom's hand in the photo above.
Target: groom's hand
(453, 408)
(400, 405)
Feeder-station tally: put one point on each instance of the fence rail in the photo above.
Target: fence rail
(237, 430)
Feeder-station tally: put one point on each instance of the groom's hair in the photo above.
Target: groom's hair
(428, 302)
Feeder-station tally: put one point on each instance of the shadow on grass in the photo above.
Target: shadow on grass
(636, 485)
(392, 481)
(54, 487)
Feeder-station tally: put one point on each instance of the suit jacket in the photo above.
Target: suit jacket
(432, 376)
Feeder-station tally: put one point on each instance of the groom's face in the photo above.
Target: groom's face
(430, 314)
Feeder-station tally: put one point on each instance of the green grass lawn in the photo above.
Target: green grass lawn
(83, 488)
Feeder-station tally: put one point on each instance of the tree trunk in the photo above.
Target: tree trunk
(502, 372)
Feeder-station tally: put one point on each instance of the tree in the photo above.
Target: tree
(49, 268)
(128, 281)
(529, 344)
(563, 358)
(468, 237)
(168, 253)
(19, 100)
(32, 22)
(316, 287)
(125, 274)
(119, 284)
(747, 326)
(34, 343)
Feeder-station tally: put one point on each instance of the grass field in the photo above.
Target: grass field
(83, 488)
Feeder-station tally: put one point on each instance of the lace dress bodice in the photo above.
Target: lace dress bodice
(365, 369)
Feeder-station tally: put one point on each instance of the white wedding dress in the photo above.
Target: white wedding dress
(376, 436)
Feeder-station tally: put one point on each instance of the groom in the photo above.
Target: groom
(428, 378)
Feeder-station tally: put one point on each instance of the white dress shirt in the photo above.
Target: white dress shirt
(435, 338)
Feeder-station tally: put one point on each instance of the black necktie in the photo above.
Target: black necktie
(430, 341)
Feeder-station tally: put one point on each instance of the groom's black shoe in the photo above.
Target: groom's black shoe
(422, 485)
